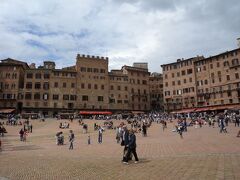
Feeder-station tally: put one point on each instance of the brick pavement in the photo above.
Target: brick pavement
(203, 153)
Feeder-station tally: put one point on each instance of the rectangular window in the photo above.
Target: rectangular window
(102, 87)
(55, 96)
(95, 70)
(189, 71)
(38, 76)
(95, 86)
(29, 75)
(65, 97)
(37, 85)
(119, 88)
(37, 96)
(126, 88)
(28, 96)
(100, 98)
(56, 84)
(84, 98)
(228, 78)
(28, 85)
(46, 76)
(73, 97)
(64, 85)
(119, 101)
(83, 69)
(102, 70)
(73, 85)
(82, 86)
(56, 73)
(236, 75)
(89, 86)
(229, 93)
(46, 85)
(45, 96)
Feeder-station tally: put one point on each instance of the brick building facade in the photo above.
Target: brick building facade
(88, 85)
(156, 91)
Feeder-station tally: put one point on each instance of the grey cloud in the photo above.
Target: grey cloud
(156, 31)
(148, 5)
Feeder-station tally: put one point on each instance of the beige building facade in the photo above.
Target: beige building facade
(11, 83)
(199, 82)
(218, 79)
(179, 83)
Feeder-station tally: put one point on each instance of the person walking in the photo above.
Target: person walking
(144, 130)
(31, 127)
(21, 132)
(71, 139)
(89, 140)
(237, 121)
(125, 142)
(100, 133)
(221, 125)
(25, 136)
(131, 147)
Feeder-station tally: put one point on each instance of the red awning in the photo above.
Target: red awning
(202, 109)
(95, 112)
(186, 110)
(6, 111)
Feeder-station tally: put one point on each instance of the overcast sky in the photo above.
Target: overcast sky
(127, 31)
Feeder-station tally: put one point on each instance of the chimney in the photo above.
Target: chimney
(238, 42)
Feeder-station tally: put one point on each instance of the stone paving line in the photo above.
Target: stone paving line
(203, 153)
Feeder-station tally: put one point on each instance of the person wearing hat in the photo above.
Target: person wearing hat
(131, 147)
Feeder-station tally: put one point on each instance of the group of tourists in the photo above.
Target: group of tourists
(125, 133)
(64, 125)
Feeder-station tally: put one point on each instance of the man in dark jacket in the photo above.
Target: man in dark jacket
(131, 147)
(125, 141)
(21, 132)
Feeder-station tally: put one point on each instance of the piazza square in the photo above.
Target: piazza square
(202, 153)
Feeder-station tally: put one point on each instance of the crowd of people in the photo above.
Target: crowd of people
(140, 123)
